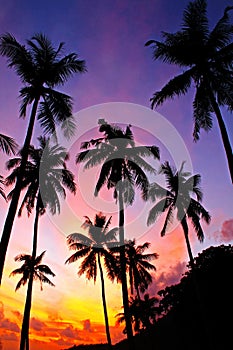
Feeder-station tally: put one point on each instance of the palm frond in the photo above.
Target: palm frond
(8, 144)
(160, 207)
(176, 86)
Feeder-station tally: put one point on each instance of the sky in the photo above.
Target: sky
(121, 79)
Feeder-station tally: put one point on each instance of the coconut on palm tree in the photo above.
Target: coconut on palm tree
(177, 200)
(205, 57)
(38, 180)
(92, 249)
(138, 266)
(123, 169)
(41, 69)
(32, 269)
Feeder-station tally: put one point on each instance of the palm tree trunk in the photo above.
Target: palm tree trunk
(185, 229)
(17, 190)
(104, 304)
(125, 298)
(224, 134)
(26, 316)
(24, 341)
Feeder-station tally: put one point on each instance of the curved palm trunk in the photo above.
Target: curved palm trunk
(24, 340)
(17, 190)
(104, 304)
(123, 272)
(224, 134)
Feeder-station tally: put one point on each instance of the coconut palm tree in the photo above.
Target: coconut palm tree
(8, 146)
(123, 169)
(143, 313)
(177, 199)
(32, 269)
(43, 184)
(93, 248)
(139, 266)
(205, 57)
(41, 68)
(45, 179)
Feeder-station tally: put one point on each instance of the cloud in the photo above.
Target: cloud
(168, 277)
(9, 336)
(17, 314)
(87, 325)
(5, 323)
(36, 324)
(225, 235)
(70, 332)
(9, 326)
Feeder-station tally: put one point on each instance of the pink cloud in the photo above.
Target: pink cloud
(87, 325)
(9, 326)
(225, 234)
(70, 332)
(37, 325)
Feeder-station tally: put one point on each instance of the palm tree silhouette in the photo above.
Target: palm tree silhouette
(123, 168)
(177, 198)
(51, 179)
(139, 266)
(41, 68)
(206, 57)
(143, 313)
(93, 248)
(8, 146)
(32, 269)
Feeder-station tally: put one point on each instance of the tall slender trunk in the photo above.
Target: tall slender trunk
(125, 298)
(224, 134)
(24, 343)
(17, 190)
(24, 340)
(104, 304)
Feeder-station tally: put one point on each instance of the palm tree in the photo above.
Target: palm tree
(93, 248)
(45, 179)
(9, 146)
(206, 58)
(143, 313)
(43, 184)
(123, 168)
(139, 266)
(177, 198)
(41, 68)
(32, 269)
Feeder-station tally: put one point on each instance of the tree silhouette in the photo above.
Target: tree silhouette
(52, 178)
(139, 266)
(92, 248)
(41, 68)
(177, 199)
(32, 269)
(206, 58)
(143, 313)
(123, 169)
(8, 146)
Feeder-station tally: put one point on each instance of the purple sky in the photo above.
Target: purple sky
(110, 36)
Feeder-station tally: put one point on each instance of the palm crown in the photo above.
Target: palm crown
(41, 67)
(206, 57)
(45, 177)
(177, 198)
(33, 266)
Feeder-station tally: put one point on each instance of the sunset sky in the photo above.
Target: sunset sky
(121, 78)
